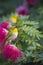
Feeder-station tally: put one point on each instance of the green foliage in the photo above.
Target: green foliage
(29, 37)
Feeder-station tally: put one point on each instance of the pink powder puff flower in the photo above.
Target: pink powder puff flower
(5, 24)
(3, 34)
(32, 2)
(22, 10)
(11, 52)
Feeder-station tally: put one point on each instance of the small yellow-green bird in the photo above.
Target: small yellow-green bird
(13, 35)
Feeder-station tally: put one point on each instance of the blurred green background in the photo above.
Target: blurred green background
(6, 6)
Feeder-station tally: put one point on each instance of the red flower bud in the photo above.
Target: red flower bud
(3, 34)
(32, 2)
(5, 24)
(10, 51)
(22, 10)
